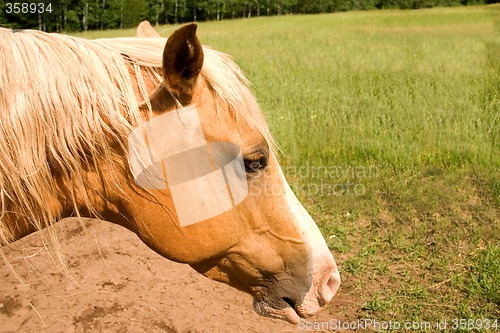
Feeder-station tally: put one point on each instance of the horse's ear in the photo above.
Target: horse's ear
(146, 30)
(182, 61)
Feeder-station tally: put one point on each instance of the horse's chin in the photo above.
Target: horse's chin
(288, 314)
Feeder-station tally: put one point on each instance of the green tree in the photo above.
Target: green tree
(3, 19)
(71, 15)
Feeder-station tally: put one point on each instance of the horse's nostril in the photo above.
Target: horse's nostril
(290, 302)
(329, 287)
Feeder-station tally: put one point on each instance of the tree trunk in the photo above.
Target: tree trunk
(176, 11)
(97, 19)
(194, 11)
(121, 16)
(40, 21)
(65, 16)
(85, 16)
(101, 23)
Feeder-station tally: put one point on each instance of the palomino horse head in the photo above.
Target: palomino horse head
(83, 132)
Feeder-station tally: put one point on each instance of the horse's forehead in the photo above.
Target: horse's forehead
(220, 121)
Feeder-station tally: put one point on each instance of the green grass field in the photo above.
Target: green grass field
(389, 125)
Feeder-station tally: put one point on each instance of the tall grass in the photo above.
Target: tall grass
(414, 94)
(395, 87)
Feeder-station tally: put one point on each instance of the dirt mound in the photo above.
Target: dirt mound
(116, 283)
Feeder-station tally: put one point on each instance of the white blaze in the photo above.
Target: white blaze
(325, 275)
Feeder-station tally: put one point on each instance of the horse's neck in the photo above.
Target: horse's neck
(97, 202)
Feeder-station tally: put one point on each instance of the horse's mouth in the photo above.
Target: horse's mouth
(288, 312)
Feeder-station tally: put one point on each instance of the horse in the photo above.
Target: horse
(75, 115)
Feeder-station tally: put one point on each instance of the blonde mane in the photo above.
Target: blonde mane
(66, 103)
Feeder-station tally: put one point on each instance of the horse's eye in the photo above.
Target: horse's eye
(255, 163)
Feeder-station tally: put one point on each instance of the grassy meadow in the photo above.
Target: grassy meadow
(389, 123)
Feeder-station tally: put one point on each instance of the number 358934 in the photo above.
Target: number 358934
(28, 8)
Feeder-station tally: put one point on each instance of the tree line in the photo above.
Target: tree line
(78, 15)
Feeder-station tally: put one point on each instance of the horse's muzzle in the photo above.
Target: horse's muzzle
(324, 285)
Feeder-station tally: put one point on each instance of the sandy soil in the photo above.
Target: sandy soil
(117, 284)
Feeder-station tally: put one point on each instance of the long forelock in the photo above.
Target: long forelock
(232, 87)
